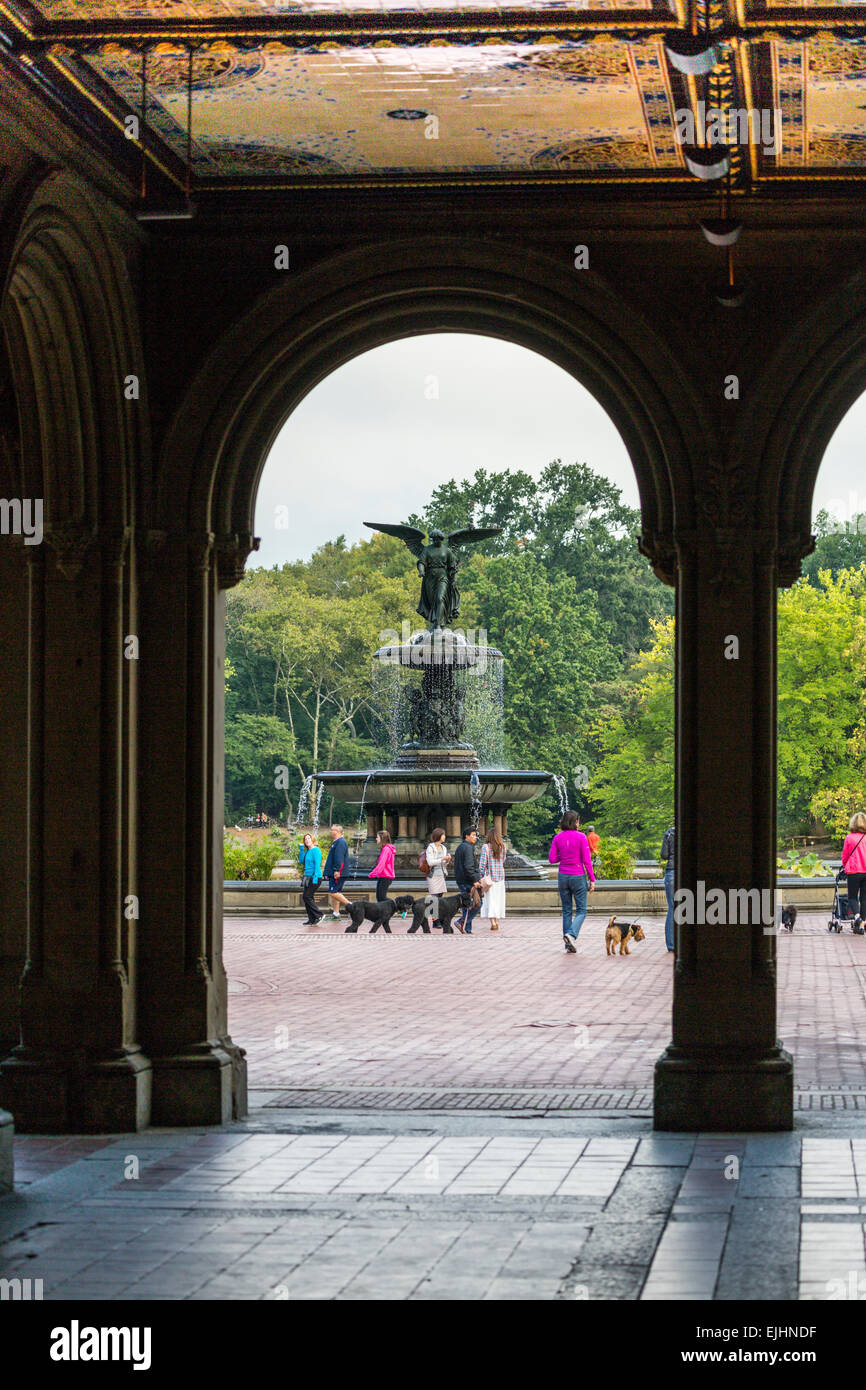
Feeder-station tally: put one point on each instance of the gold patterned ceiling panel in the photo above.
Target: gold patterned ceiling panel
(216, 10)
(477, 109)
(821, 88)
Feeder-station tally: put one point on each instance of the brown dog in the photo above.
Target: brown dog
(619, 934)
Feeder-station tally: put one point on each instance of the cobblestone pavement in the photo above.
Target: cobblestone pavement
(489, 1212)
(318, 1008)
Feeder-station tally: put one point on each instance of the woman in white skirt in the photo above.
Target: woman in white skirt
(491, 867)
(437, 857)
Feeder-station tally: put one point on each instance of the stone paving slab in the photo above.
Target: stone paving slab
(488, 1216)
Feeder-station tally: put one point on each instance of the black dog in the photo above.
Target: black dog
(379, 914)
(449, 907)
(788, 917)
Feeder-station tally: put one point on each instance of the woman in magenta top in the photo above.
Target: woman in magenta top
(854, 865)
(570, 850)
(384, 870)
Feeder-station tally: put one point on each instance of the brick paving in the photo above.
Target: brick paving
(419, 1017)
(548, 1203)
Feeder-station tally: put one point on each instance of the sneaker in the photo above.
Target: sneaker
(570, 945)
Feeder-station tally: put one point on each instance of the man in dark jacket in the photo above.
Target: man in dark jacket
(667, 854)
(334, 871)
(466, 873)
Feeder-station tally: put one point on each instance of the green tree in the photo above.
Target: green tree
(632, 785)
(838, 546)
(821, 688)
(556, 648)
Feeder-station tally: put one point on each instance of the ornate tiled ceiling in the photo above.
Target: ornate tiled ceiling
(306, 91)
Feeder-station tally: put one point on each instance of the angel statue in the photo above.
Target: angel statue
(437, 565)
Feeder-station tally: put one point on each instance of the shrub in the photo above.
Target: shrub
(255, 861)
(809, 865)
(615, 858)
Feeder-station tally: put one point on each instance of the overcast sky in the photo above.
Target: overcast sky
(373, 440)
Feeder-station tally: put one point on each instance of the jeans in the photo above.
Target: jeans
(669, 920)
(572, 886)
(469, 913)
(382, 886)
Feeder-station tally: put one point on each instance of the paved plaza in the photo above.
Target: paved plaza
(556, 1199)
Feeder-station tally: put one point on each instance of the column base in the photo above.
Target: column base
(53, 1093)
(7, 1132)
(204, 1085)
(739, 1091)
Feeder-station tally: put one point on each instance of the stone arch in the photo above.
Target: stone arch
(70, 323)
(821, 366)
(305, 328)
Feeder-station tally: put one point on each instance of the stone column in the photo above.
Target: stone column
(199, 1074)
(14, 557)
(725, 1067)
(79, 1066)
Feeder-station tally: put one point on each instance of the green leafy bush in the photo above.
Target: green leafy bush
(255, 861)
(809, 865)
(615, 858)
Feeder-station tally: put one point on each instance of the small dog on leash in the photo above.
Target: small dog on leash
(620, 934)
(378, 913)
(787, 917)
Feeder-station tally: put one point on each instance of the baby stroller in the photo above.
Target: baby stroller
(843, 909)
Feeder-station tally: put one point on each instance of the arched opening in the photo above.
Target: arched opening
(445, 430)
(822, 775)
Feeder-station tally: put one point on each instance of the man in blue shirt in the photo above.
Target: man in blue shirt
(334, 871)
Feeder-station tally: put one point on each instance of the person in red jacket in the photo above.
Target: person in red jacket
(384, 870)
(854, 865)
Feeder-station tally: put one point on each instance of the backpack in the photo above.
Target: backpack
(423, 865)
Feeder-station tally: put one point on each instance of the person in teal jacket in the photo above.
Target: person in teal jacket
(310, 859)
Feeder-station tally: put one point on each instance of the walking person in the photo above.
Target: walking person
(854, 864)
(310, 858)
(570, 850)
(466, 873)
(437, 857)
(593, 840)
(668, 847)
(384, 870)
(492, 869)
(335, 871)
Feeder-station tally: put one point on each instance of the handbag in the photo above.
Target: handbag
(486, 883)
(423, 865)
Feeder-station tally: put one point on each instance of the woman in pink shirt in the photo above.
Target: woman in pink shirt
(570, 850)
(384, 870)
(854, 865)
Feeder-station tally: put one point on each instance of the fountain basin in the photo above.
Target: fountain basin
(441, 786)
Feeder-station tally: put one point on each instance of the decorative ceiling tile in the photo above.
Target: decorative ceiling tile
(216, 10)
(485, 108)
(821, 89)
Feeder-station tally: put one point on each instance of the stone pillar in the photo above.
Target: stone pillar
(402, 826)
(79, 1066)
(497, 822)
(13, 782)
(413, 827)
(453, 824)
(725, 1067)
(6, 1155)
(199, 1074)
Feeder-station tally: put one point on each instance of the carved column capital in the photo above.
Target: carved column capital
(71, 543)
(792, 551)
(232, 554)
(660, 550)
(200, 550)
